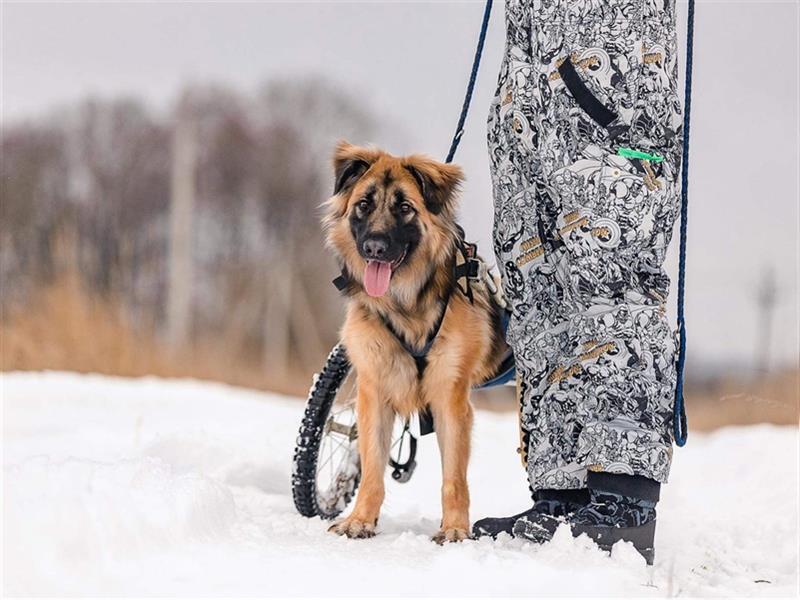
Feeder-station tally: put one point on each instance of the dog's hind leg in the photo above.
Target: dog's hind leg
(375, 420)
(452, 417)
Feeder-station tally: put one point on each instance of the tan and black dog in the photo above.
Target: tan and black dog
(391, 223)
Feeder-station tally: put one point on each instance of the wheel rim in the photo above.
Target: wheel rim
(338, 467)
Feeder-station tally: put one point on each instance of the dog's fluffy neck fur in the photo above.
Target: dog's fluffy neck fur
(414, 310)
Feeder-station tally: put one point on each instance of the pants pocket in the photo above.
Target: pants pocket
(609, 85)
(615, 222)
(591, 76)
(656, 123)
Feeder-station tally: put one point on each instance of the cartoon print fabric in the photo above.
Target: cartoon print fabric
(581, 232)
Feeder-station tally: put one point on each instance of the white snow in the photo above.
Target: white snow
(147, 486)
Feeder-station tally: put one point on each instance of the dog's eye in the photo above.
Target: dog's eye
(363, 205)
(406, 208)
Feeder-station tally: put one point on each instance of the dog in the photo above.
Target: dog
(391, 224)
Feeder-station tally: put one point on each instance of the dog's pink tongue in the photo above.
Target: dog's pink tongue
(376, 277)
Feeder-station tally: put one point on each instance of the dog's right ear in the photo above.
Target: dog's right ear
(349, 164)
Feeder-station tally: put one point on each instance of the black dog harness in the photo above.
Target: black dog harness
(467, 270)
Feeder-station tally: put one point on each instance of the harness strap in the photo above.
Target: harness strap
(468, 266)
(420, 356)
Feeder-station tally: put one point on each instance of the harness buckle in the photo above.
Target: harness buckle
(476, 269)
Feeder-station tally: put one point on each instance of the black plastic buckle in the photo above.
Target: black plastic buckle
(474, 269)
(340, 283)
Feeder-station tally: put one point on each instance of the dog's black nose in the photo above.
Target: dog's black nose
(375, 248)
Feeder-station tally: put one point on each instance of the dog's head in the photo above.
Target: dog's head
(391, 219)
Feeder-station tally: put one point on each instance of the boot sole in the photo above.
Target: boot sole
(642, 537)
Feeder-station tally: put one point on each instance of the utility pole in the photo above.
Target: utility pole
(766, 299)
(184, 159)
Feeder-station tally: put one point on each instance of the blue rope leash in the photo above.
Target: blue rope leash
(680, 424)
(476, 63)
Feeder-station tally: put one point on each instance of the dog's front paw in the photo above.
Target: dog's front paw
(353, 528)
(453, 534)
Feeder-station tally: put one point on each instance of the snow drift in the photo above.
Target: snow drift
(138, 487)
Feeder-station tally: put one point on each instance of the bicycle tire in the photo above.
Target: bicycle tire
(312, 428)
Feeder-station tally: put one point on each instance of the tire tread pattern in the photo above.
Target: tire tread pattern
(320, 399)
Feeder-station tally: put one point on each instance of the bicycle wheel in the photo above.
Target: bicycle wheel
(326, 464)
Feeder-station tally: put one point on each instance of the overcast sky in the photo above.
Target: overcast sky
(409, 63)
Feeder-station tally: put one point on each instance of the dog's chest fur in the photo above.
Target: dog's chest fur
(459, 356)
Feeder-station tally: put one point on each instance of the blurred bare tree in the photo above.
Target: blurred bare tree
(34, 170)
(91, 191)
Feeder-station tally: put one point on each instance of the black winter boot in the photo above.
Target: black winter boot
(554, 503)
(622, 507)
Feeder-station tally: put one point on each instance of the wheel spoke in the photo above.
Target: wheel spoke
(334, 477)
(340, 445)
(327, 460)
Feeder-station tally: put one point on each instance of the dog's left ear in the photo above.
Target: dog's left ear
(438, 182)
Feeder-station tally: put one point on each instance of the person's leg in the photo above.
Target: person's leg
(613, 382)
(524, 219)
(605, 401)
(595, 348)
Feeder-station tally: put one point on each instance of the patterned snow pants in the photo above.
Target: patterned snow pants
(581, 232)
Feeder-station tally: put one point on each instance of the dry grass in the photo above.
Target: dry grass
(67, 329)
(70, 330)
(772, 399)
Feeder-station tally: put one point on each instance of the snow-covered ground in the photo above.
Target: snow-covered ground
(144, 487)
